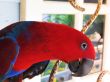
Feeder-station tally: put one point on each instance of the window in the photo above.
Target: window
(93, 1)
(59, 18)
(39, 9)
(96, 34)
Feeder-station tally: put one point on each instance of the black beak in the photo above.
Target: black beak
(81, 68)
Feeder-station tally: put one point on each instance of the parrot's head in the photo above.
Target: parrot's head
(84, 54)
(73, 47)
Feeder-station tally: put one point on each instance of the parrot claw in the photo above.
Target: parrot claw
(35, 69)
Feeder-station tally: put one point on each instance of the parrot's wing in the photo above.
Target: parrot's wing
(8, 54)
(35, 69)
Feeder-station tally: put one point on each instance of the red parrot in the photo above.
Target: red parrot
(25, 43)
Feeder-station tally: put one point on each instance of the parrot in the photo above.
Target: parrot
(27, 43)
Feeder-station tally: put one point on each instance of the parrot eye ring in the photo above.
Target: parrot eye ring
(84, 46)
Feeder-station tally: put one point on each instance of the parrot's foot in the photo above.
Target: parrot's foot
(1, 79)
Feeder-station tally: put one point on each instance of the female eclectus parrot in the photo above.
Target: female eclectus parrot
(25, 43)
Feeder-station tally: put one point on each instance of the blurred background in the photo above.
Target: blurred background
(60, 11)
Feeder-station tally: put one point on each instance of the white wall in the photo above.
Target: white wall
(10, 0)
(9, 12)
(33, 10)
(34, 79)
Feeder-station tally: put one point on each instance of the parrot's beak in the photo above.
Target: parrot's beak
(82, 67)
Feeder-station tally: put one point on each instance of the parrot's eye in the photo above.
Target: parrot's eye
(84, 46)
